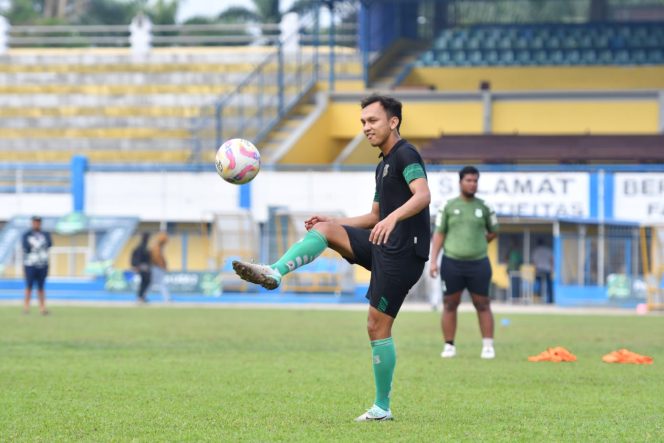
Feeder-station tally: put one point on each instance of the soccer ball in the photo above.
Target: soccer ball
(237, 161)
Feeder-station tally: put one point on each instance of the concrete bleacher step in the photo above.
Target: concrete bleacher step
(99, 155)
(122, 78)
(105, 111)
(285, 128)
(31, 145)
(89, 122)
(91, 132)
(104, 103)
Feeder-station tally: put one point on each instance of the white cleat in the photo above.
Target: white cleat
(259, 274)
(488, 353)
(449, 351)
(375, 414)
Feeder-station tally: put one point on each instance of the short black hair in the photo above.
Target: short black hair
(391, 105)
(36, 218)
(468, 170)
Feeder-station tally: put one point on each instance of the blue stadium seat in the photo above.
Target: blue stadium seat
(523, 57)
(559, 44)
(573, 57)
(588, 57)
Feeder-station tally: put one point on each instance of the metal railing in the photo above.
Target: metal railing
(274, 87)
(26, 178)
(161, 35)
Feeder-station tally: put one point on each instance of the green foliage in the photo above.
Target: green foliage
(24, 12)
(265, 11)
(163, 12)
(109, 12)
(195, 374)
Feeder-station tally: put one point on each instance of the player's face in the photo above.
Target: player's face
(468, 185)
(377, 127)
(36, 225)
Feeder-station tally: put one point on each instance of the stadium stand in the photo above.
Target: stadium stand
(101, 103)
(548, 44)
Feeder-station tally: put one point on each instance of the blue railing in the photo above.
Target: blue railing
(30, 178)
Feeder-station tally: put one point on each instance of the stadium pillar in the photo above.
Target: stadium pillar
(330, 5)
(557, 259)
(661, 112)
(364, 33)
(245, 196)
(217, 120)
(79, 164)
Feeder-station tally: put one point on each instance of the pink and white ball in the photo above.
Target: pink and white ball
(238, 161)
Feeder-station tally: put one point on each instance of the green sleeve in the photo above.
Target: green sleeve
(413, 171)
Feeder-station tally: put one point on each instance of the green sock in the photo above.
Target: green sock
(384, 360)
(304, 251)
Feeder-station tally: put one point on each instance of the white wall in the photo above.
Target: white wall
(195, 196)
(173, 196)
(30, 204)
(541, 194)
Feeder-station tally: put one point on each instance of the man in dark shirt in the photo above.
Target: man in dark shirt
(392, 240)
(35, 263)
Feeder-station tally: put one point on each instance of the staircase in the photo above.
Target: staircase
(394, 62)
(286, 127)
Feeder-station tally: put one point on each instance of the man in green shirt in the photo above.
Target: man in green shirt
(464, 228)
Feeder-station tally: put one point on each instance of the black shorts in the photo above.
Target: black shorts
(474, 275)
(391, 277)
(34, 275)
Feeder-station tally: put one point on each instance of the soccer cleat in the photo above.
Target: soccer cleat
(259, 274)
(375, 414)
(488, 353)
(449, 351)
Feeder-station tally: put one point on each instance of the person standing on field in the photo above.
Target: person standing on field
(159, 267)
(36, 244)
(141, 265)
(464, 228)
(391, 240)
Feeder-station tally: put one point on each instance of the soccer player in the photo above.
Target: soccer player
(35, 263)
(392, 240)
(464, 228)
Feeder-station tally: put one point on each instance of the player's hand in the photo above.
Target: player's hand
(311, 221)
(382, 230)
(433, 270)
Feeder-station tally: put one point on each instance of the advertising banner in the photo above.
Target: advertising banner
(525, 194)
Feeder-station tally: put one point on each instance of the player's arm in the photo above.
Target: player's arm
(438, 240)
(436, 245)
(26, 244)
(420, 199)
(365, 221)
(491, 224)
(49, 240)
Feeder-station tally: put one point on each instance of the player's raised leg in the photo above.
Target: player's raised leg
(305, 251)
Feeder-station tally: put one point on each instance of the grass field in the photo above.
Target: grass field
(190, 374)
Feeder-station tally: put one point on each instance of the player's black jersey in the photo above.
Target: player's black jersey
(397, 169)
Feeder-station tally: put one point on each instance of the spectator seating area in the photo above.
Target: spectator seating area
(108, 106)
(548, 44)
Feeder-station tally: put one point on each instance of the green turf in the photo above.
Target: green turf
(150, 374)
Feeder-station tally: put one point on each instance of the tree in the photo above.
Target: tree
(163, 12)
(23, 12)
(266, 11)
(108, 12)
